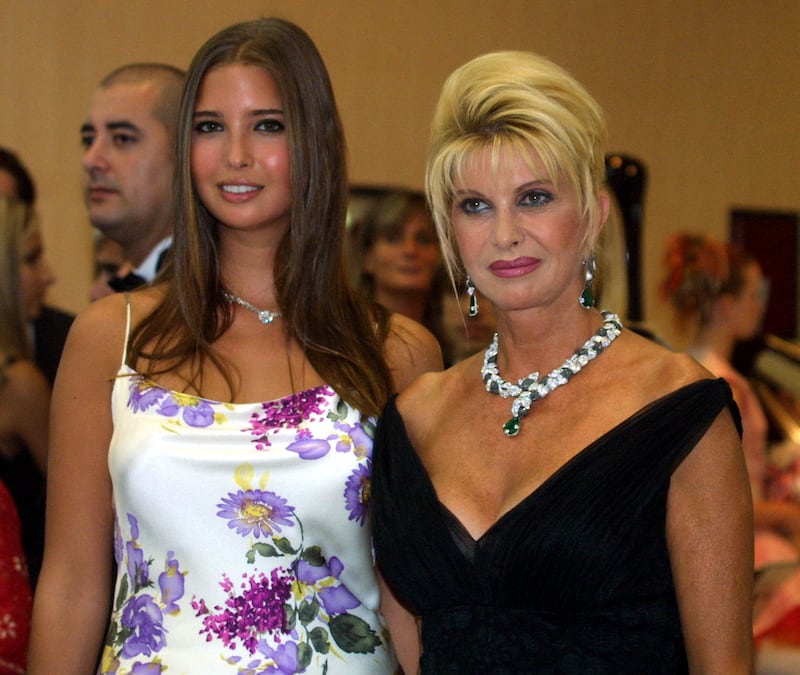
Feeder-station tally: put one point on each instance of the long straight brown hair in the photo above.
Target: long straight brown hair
(341, 338)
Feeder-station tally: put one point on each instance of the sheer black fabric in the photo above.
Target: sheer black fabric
(574, 579)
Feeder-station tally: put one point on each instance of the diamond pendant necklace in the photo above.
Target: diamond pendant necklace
(265, 316)
(530, 388)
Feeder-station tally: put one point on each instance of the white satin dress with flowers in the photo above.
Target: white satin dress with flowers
(242, 536)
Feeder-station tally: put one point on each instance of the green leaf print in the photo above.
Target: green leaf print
(313, 556)
(284, 545)
(353, 634)
(289, 618)
(304, 654)
(319, 639)
(122, 596)
(265, 550)
(308, 611)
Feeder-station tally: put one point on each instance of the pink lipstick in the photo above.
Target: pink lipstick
(509, 269)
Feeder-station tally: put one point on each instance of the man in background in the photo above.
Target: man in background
(128, 137)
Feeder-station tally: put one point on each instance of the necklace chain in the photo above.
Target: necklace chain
(265, 316)
(530, 389)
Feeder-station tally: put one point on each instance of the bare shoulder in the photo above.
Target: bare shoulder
(429, 397)
(651, 369)
(411, 350)
(97, 336)
(103, 322)
(100, 325)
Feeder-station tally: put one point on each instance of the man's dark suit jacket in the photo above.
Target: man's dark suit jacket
(50, 333)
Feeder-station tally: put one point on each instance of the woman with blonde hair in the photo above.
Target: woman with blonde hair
(574, 499)
(24, 410)
(217, 427)
(24, 278)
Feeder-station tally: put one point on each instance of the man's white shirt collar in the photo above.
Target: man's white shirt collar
(147, 270)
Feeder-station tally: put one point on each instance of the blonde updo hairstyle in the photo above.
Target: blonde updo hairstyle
(515, 101)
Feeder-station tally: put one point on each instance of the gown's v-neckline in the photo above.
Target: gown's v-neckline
(545, 485)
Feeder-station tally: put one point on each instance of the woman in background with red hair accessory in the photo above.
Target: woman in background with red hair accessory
(719, 295)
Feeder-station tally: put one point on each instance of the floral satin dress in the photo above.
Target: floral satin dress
(242, 536)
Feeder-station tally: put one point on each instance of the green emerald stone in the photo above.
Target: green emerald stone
(511, 428)
(587, 299)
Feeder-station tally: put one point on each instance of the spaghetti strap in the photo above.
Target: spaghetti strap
(127, 329)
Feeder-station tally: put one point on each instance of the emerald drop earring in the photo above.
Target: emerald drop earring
(473, 301)
(587, 297)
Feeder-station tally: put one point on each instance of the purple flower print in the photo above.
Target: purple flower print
(362, 441)
(143, 394)
(138, 567)
(138, 617)
(170, 582)
(289, 412)
(311, 574)
(134, 526)
(255, 512)
(200, 415)
(142, 617)
(258, 610)
(196, 412)
(355, 438)
(119, 546)
(284, 656)
(337, 599)
(357, 492)
(311, 448)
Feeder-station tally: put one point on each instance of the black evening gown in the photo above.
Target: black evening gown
(574, 579)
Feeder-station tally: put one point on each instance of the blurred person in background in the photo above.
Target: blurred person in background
(24, 391)
(48, 325)
(109, 262)
(718, 293)
(128, 138)
(396, 261)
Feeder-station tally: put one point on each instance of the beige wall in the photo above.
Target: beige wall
(704, 91)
